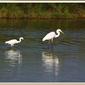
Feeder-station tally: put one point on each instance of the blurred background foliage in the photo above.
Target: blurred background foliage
(42, 10)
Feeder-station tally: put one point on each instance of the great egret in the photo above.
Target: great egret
(52, 35)
(14, 41)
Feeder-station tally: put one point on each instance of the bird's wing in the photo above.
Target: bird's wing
(11, 41)
(49, 36)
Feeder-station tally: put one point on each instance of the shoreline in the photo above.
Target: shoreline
(44, 18)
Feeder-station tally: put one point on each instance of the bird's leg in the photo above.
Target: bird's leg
(52, 40)
(52, 45)
(49, 44)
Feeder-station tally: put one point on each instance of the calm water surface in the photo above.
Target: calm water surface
(35, 61)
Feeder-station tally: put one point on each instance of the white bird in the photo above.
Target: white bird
(14, 41)
(52, 35)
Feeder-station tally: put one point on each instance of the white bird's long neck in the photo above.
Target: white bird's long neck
(19, 40)
(58, 33)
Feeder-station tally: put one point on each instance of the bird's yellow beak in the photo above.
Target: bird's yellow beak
(62, 32)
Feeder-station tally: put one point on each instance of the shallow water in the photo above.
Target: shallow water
(35, 61)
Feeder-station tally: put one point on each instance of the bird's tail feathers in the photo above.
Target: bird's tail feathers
(43, 39)
(6, 42)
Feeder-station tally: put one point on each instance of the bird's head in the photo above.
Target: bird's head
(59, 30)
(21, 38)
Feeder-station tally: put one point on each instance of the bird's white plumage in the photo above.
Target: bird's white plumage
(49, 36)
(52, 35)
(14, 41)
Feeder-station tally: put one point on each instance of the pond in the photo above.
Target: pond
(35, 61)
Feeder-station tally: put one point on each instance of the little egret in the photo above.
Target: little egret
(14, 41)
(52, 35)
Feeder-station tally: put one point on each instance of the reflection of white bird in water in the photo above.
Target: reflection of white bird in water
(50, 62)
(14, 41)
(49, 58)
(12, 56)
(52, 35)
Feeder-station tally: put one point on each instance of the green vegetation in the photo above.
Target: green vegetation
(42, 10)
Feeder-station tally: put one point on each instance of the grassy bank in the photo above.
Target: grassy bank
(42, 10)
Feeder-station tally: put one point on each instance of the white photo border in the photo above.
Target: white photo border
(42, 83)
